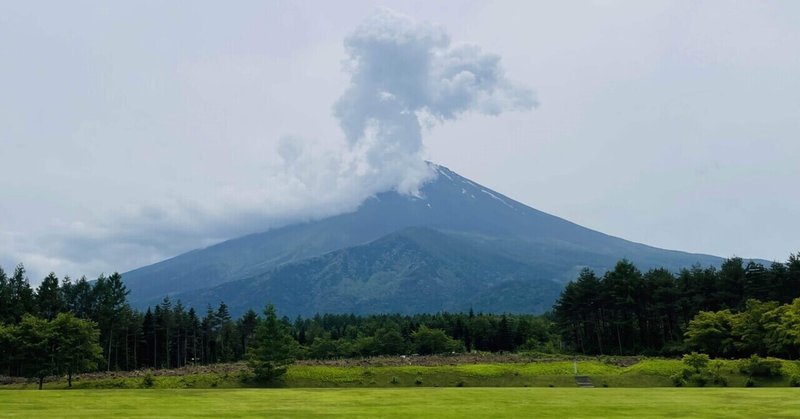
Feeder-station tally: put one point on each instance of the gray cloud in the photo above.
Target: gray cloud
(404, 75)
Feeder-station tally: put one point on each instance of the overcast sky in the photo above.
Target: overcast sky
(134, 131)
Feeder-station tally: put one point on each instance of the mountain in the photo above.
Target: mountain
(458, 244)
(414, 270)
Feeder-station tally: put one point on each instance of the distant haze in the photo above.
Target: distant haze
(131, 132)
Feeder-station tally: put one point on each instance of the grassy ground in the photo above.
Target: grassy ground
(408, 402)
(651, 372)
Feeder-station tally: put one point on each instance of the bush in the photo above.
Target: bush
(749, 383)
(696, 361)
(246, 376)
(794, 381)
(715, 373)
(757, 366)
(699, 378)
(148, 381)
(678, 379)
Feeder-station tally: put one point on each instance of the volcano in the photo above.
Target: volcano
(456, 245)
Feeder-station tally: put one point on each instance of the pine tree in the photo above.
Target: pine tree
(6, 315)
(48, 297)
(273, 350)
(20, 294)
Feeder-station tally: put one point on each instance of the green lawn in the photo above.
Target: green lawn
(652, 372)
(408, 402)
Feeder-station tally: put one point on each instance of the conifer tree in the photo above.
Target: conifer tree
(273, 350)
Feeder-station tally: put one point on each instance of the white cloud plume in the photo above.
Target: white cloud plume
(403, 71)
(404, 75)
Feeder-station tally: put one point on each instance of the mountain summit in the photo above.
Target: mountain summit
(457, 245)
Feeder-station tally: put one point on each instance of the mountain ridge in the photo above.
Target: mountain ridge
(450, 204)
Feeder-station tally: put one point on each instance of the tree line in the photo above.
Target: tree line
(170, 335)
(625, 311)
(65, 327)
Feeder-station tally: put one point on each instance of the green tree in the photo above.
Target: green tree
(20, 294)
(35, 341)
(8, 345)
(110, 296)
(434, 341)
(247, 328)
(696, 361)
(76, 347)
(748, 327)
(273, 350)
(389, 341)
(6, 316)
(48, 297)
(782, 327)
(711, 332)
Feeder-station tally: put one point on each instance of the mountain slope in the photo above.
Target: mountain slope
(451, 204)
(410, 271)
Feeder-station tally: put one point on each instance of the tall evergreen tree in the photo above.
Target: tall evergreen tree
(49, 299)
(273, 350)
(20, 294)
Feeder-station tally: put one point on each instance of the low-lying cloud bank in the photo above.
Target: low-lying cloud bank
(405, 76)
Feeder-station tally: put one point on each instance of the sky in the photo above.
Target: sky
(131, 132)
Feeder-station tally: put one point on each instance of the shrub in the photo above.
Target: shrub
(418, 381)
(794, 381)
(678, 379)
(148, 381)
(696, 361)
(246, 376)
(394, 380)
(757, 366)
(749, 383)
(699, 378)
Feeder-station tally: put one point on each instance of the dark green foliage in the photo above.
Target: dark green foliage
(434, 341)
(37, 347)
(762, 328)
(273, 348)
(629, 312)
(756, 366)
(700, 371)
(148, 381)
(19, 296)
(33, 350)
(49, 299)
(76, 347)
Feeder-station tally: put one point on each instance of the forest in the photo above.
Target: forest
(66, 327)
(626, 312)
(171, 335)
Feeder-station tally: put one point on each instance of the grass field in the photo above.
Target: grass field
(408, 402)
(652, 372)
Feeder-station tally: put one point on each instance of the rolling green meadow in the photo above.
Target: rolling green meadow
(636, 389)
(408, 402)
